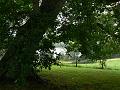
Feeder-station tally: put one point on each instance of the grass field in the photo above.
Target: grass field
(69, 77)
(83, 77)
(113, 64)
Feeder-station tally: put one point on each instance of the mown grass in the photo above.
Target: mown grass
(69, 77)
(83, 77)
(113, 64)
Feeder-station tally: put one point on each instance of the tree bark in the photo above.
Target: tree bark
(18, 60)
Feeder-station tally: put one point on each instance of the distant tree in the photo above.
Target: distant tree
(74, 47)
(92, 27)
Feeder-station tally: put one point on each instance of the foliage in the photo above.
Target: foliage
(93, 26)
(23, 25)
(27, 26)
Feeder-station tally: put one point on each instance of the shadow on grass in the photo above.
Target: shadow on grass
(31, 84)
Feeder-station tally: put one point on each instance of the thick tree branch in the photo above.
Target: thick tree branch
(35, 5)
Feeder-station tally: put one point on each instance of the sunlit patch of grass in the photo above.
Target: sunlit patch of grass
(72, 78)
(110, 64)
(113, 63)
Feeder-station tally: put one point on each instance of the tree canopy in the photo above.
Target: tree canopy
(30, 25)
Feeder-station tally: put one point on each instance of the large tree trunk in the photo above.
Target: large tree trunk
(18, 60)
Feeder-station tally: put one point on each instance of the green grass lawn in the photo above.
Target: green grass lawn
(83, 77)
(69, 77)
(113, 64)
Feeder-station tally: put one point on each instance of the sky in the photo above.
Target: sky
(60, 48)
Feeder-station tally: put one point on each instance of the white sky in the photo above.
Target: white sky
(60, 50)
